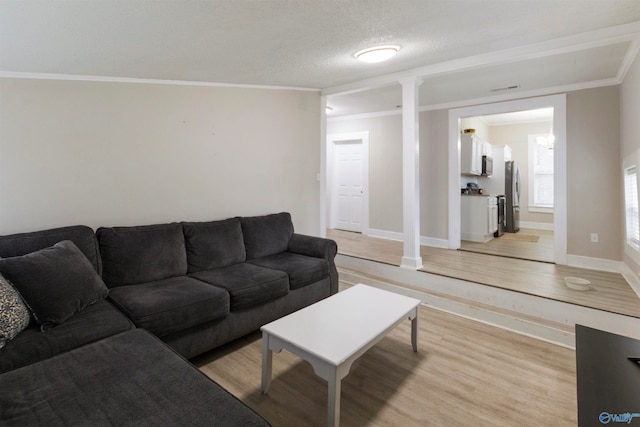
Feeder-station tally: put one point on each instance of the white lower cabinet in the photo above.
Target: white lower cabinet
(479, 218)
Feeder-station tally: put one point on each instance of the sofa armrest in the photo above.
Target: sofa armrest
(318, 247)
(313, 246)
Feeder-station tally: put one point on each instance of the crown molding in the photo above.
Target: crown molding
(628, 59)
(487, 100)
(364, 116)
(108, 79)
(524, 94)
(603, 37)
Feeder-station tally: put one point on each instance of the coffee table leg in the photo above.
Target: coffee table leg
(335, 385)
(414, 331)
(267, 357)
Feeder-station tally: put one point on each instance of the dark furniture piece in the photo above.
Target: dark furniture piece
(130, 379)
(97, 321)
(198, 285)
(608, 378)
(194, 285)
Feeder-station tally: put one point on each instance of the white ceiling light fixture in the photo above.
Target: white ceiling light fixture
(377, 54)
(328, 109)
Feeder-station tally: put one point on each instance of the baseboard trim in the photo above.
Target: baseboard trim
(632, 278)
(434, 242)
(397, 236)
(384, 234)
(601, 264)
(537, 225)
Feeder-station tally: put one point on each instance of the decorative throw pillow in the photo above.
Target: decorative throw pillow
(14, 315)
(55, 282)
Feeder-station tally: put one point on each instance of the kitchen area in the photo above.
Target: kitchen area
(490, 183)
(496, 162)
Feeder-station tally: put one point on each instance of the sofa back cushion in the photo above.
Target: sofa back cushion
(266, 235)
(26, 243)
(213, 244)
(132, 255)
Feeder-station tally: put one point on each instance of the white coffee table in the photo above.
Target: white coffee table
(333, 333)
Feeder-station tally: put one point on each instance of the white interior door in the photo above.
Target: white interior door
(349, 186)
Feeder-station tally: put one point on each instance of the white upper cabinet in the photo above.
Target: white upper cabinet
(507, 153)
(486, 149)
(472, 148)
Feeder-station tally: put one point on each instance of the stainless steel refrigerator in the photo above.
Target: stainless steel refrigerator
(512, 196)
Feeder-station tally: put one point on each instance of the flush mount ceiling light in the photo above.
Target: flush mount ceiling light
(328, 109)
(377, 54)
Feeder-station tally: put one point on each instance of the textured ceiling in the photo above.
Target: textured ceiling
(581, 67)
(303, 43)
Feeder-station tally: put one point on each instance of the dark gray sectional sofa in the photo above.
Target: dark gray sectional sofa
(191, 285)
(199, 285)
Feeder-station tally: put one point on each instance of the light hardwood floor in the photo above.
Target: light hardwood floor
(504, 246)
(465, 374)
(608, 291)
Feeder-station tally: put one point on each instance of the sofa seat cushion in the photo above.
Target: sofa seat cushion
(248, 285)
(141, 254)
(98, 321)
(301, 269)
(171, 305)
(131, 379)
(213, 244)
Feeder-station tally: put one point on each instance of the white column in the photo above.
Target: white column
(411, 258)
(322, 173)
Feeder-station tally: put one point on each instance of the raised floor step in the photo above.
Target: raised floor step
(542, 318)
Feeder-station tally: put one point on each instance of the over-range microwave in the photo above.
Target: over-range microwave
(487, 166)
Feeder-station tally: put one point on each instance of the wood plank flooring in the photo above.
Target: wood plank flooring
(609, 291)
(542, 250)
(465, 373)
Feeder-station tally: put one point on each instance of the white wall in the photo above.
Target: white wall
(516, 136)
(593, 172)
(434, 174)
(483, 130)
(100, 153)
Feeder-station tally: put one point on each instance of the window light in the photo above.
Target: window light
(377, 54)
(632, 218)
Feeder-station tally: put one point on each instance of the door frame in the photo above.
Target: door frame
(559, 104)
(332, 140)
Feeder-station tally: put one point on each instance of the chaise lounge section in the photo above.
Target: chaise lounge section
(129, 379)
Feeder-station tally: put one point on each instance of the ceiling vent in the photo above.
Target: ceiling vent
(506, 88)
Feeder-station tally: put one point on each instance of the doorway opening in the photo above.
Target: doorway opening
(520, 186)
(558, 130)
(348, 173)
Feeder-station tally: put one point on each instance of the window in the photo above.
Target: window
(632, 216)
(541, 173)
(631, 206)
